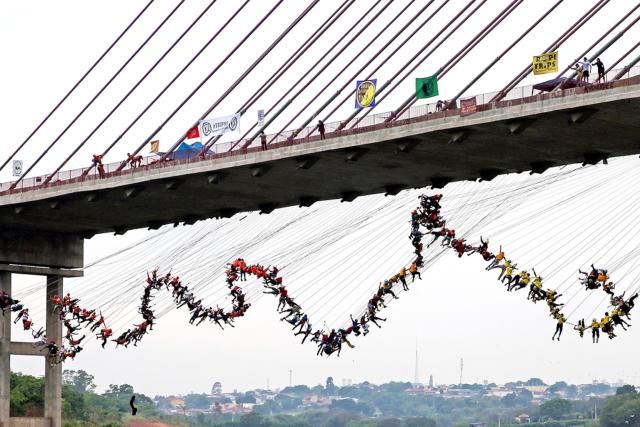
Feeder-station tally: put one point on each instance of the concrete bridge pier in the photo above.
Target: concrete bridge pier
(53, 373)
(55, 257)
(5, 354)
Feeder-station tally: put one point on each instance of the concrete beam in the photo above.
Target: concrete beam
(595, 157)
(56, 204)
(88, 234)
(154, 225)
(216, 177)
(41, 249)
(440, 181)
(228, 213)
(459, 136)
(405, 146)
(119, 230)
(581, 115)
(26, 349)
(306, 201)
(172, 184)
(53, 372)
(267, 208)
(93, 197)
(40, 271)
(519, 125)
(259, 170)
(489, 174)
(541, 166)
(349, 196)
(354, 154)
(189, 219)
(306, 162)
(132, 192)
(5, 354)
(393, 189)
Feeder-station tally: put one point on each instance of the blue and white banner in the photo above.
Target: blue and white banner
(220, 125)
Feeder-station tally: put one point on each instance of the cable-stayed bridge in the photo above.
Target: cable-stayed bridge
(45, 219)
(528, 134)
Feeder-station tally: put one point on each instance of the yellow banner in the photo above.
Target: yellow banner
(547, 63)
(155, 146)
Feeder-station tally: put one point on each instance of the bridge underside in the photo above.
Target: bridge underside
(526, 137)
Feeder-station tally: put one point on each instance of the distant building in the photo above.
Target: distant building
(522, 419)
(457, 393)
(316, 400)
(216, 388)
(431, 381)
(477, 424)
(498, 392)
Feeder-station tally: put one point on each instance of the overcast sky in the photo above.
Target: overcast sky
(458, 311)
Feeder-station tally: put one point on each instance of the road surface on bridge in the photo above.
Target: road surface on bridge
(532, 133)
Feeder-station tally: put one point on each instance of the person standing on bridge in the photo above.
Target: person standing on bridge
(97, 163)
(321, 129)
(263, 140)
(601, 74)
(586, 69)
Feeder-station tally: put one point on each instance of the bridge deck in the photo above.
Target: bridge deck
(533, 133)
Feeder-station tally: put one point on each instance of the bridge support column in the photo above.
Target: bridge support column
(53, 373)
(5, 354)
(40, 254)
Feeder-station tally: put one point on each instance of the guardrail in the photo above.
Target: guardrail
(372, 122)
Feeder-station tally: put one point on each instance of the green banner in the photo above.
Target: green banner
(426, 87)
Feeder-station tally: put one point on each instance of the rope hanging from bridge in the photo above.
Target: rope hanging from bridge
(426, 221)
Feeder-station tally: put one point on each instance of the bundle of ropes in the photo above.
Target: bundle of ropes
(426, 220)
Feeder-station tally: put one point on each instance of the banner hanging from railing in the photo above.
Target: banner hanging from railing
(220, 125)
(546, 63)
(468, 106)
(366, 93)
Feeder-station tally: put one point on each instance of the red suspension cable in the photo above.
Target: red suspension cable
(412, 68)
(104, 87)
(463, 52)
(173, 80)
(286, 65)
(235, 84)
(64, 98)
(205, 80)
(126, 96)
(297, 83)
(552, 47)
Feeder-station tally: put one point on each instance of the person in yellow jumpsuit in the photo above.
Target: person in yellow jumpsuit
(561, 319)
(595, 331)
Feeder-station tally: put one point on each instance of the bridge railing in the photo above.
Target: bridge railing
(517, 96)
